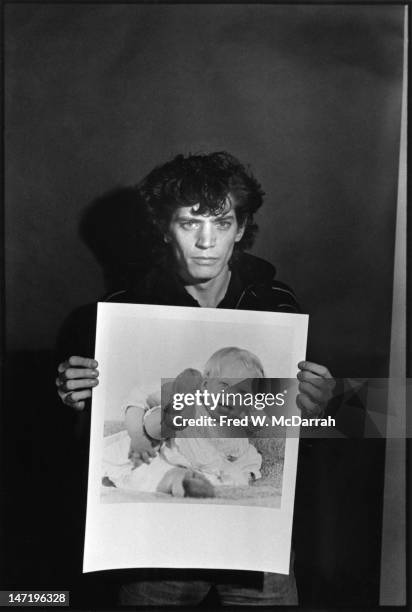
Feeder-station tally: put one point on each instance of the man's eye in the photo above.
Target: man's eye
(189, 224)
(223, 224)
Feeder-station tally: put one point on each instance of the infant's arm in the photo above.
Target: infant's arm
(143, 414)
(142, 448)
(135, 424)
(134, 406)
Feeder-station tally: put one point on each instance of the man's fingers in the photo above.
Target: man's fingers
(73, 398)
(315, 394)
(62, 366)
(80, 405)
(77, 362)
(79, 395)
(315, 368)
(72, 385)
(76, 378)
(79, 373)
(307, 406)
(318, 392)
(316, 380)
(82, 362)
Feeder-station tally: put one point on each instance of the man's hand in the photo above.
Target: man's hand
(75, 380)
(316, 385)
(139, 457)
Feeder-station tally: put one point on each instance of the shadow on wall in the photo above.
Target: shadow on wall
(43, 488)
(115, 227)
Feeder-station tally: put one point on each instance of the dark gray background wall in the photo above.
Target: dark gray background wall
(96, 95)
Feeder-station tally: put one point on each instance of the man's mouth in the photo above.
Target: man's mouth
(205, 261)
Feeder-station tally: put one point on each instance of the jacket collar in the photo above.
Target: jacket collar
(252, 270)
(163, 286)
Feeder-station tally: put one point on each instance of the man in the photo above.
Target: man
(201, 210)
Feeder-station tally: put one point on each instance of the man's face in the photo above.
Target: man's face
(203, 244)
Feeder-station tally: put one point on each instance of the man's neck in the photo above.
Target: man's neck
(210, 293)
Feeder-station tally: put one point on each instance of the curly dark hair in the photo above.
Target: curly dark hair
(204, 179)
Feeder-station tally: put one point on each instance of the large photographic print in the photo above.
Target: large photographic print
(212, 490)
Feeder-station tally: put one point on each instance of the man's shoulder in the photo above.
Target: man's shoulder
(77, 334)
(122, 296)
(261, 290)
(274, 297)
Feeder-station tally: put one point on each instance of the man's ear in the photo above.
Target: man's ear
(240, 232)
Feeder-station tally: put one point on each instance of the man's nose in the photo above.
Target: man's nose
(206, 237)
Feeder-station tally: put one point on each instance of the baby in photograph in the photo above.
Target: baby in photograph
(185, 464)
(159, 476)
